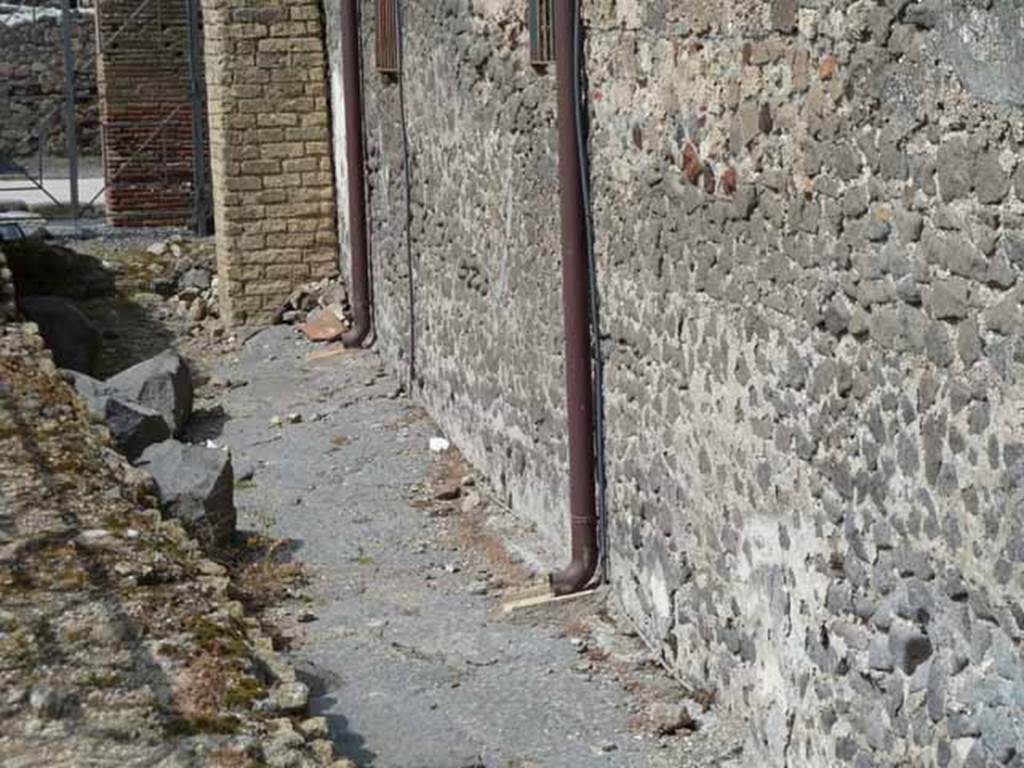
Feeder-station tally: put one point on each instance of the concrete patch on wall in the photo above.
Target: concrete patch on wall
(985, 44)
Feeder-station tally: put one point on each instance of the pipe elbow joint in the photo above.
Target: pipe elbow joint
(576, 576)
(360, 329)
(355, 337)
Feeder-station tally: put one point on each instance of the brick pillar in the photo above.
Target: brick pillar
(142, 71)
(270, 152)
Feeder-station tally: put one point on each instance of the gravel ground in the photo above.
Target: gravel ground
(404, 643)
(97, 238)
(400, 634)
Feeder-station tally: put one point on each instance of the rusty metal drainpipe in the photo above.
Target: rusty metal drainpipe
(351, 78)
(576, 305)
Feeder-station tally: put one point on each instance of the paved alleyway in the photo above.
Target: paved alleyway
(405, 646)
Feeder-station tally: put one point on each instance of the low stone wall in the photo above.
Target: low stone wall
(32, 83)
(810, 228)
(270, 152)
(120, 581)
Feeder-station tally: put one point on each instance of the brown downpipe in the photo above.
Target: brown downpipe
(576, 305)
(351, 79)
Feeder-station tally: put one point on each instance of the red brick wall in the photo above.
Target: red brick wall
(145, 111)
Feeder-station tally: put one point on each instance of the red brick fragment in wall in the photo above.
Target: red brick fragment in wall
(692, 166)
(827, 67)
(729, 181)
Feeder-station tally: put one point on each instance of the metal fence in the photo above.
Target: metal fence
(63, 192)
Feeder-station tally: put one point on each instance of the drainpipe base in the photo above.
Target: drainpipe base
(576, 576)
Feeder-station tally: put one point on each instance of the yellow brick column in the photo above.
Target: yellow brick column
(270, 151)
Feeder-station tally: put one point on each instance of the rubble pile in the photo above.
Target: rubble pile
(145, 407)
(320, 310)
(189, 280)
(121, 639)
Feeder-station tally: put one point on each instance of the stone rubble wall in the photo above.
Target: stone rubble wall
(485, 228)
(270, 149)
(810, 240)
(815, 392)
(32, 85)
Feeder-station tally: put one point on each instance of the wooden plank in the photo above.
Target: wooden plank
(540, 596)
(323, 354)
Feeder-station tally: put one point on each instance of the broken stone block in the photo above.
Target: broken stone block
(954, 168)
(472, 502)
(196, 486)
(162, 383)
(134, 427)
(197, 311)
(1007, 316)
(284, 749)
(91, 390)
(667, 719)
(72, 339)
(196, 279)
(935, 693)
(301, 299)
(160, 248)
(290, 698)
(837, 316)
(879, 654)
(48, 703)
(783, 15)
(990, 181)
